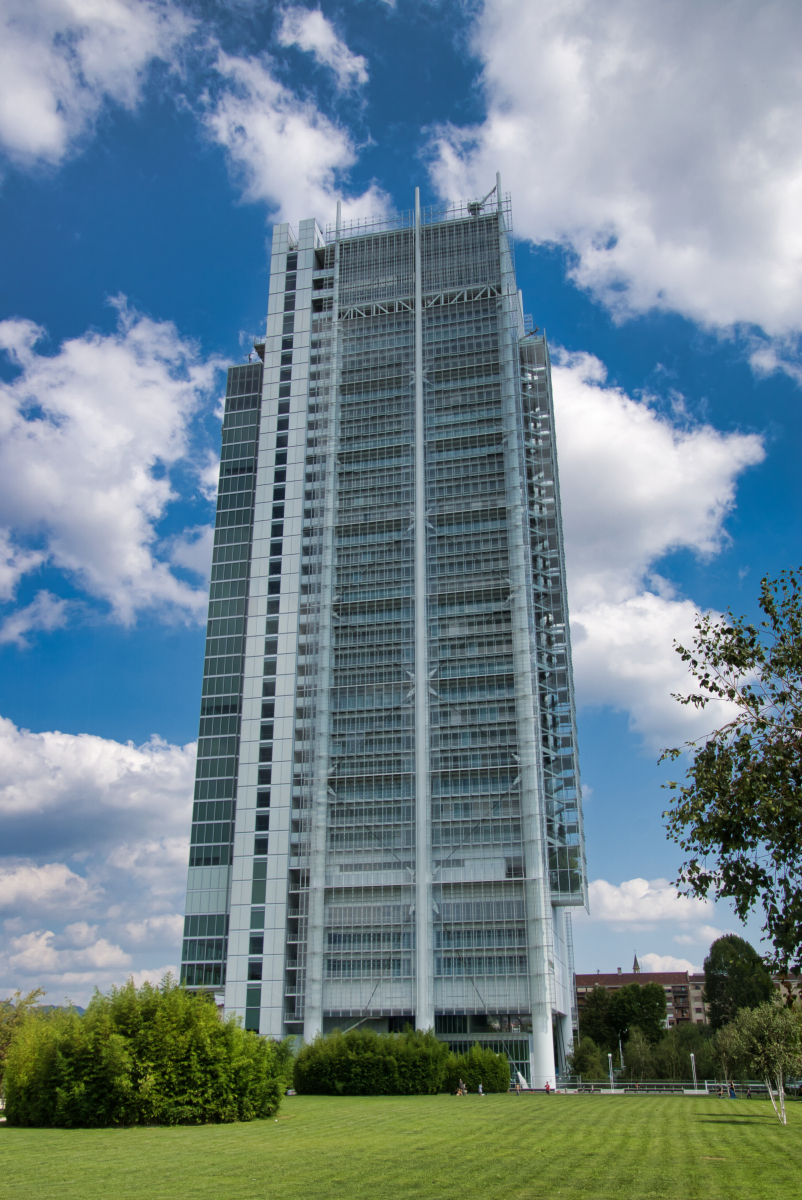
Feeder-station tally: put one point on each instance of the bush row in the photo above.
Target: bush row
(154, 1055)
(413, 1063)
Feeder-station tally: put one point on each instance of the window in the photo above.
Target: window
(257, 943)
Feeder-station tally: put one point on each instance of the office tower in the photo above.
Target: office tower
(387, 823)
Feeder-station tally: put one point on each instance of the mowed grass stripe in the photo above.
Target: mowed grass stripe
(422, 1148)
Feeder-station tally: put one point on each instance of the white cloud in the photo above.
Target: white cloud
(52, 887)
(666, 962)
(283, 150)
(37, 954)
(636, 485)
(705, 934)
(193, 549)
(168, 927)
(46, 612)
(642, 902)
(660, 143)
(310, 31)
(119, 787)
(61, 60)
(87, 436)
(98, 831)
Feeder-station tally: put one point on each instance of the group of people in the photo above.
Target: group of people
(731, 1093)
(462, 1088)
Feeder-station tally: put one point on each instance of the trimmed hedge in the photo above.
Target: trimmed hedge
(364, 1063)
(479, 1065)
(154, 1056)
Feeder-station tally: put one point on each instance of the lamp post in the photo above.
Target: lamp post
(610, 1065)
(693, 1068)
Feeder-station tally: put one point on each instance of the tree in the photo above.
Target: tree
(594, 1018)
(729, 1054)
(587, 1060)
(607, 1016)
(12, 1013)
(735, 977)
(153, 1055)
(770, 1038)
(638, 1059)
(641, 1006)
(739, 816)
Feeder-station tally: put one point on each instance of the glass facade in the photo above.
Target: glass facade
(387, 804)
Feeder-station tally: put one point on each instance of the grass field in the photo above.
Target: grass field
(427, 1147)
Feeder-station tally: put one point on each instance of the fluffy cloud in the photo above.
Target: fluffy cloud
(52, 887)
(87, 436)
(60, 60)
(98, 833)
(310, 31)
(666, 962)
(658, 486)
(61, 792)
(660, 143)
(46, 612)
(643, 902)
(282, 149)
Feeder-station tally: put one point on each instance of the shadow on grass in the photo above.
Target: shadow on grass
(756, 1120)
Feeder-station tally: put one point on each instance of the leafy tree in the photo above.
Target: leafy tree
(607, 1016)
(735, 977)
(594, 1018)
(770, 1039)
(739, 815)
(729, 1054)
(156, 1055)
(637, 1005)
(12, 1014)
(587, 1060)
(638, 1057)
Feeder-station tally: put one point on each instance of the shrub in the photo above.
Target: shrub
(479, 1065)
(587, 1060)
(363, 1063)
(156, 1055)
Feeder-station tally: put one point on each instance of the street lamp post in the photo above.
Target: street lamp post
(693, 1068)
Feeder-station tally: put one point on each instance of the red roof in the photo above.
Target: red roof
(616, 980)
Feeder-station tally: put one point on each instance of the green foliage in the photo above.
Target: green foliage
(479, 1065)
(735, 977)
(670, 1057)
(155, 1056)
(638, 1005)
(587, 1060)
(729, 1055)
(594, 1018)
(770, 1038)
(12, 1013)
(638, 1057)
(606, 1016)
(364, 1063)
(739, 816)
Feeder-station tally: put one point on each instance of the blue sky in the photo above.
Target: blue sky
(654, 156)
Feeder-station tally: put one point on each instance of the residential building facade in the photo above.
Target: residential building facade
(684, 991)
(387, 824)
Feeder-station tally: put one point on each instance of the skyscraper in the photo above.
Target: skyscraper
(387, 822)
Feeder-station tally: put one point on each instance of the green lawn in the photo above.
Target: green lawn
(440, 1146)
